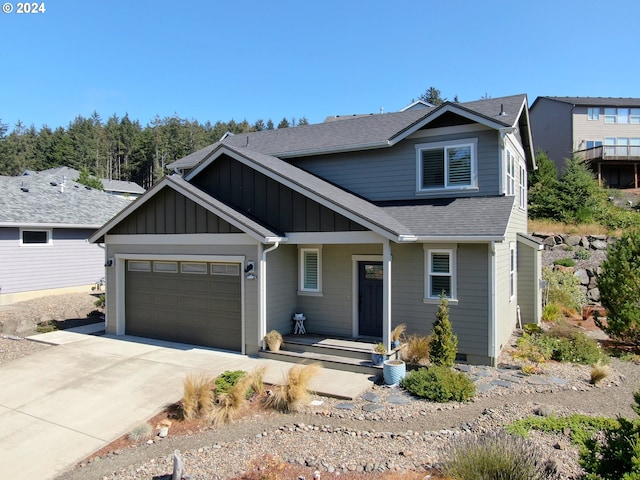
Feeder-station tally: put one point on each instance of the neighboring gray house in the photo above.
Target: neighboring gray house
(604, 131)
(45, 221)
(359, 223)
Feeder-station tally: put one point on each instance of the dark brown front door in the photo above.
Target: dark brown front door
(370, 299)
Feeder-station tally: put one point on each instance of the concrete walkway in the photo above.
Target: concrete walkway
(59, 405)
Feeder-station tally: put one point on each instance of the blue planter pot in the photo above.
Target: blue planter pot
(393, 371)
(377, 359)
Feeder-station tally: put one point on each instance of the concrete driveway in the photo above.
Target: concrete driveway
(59, 405)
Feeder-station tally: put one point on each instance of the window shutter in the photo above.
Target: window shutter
(433, 168)
(311, 270)
(459, 166)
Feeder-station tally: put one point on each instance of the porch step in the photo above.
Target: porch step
(348, 354)
(334, 362)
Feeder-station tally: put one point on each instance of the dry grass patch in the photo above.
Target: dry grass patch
(550, 226)
(197, 399)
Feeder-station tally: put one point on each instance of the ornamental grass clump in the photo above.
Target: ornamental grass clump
(197, 399)
(295, 391)
(497, 456)
(416, 350)
(229, 404)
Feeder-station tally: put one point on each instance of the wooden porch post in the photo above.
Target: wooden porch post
(599, 173)
(386, 294)
(635, 175)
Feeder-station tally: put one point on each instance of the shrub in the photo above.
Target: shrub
(565, 262)
(44, 327)
(551, 312)
(439, 384)
(141, 432)
(444, 343)
(562, 288)
(227, 380)
(416, 349)
(295, 390)
(575, 347)
(100, 301)
(497, 456)
(197, 399)
(531, 328)
(582, 254)
(619, 285)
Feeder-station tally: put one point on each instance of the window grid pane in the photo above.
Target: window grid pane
(440, 263)
(433, 168)
(35, 236)
(459, 165)
(440, 285)
(310, 271)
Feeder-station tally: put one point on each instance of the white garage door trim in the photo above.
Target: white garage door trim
(120, 266)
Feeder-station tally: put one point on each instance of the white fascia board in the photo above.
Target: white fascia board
(182, 239)
(461, 239)
(48, 225)
(529, 242)
(313, 196)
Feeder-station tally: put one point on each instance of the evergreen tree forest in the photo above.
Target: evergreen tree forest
(118, 148)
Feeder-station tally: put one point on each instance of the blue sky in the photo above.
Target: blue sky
(212, 60)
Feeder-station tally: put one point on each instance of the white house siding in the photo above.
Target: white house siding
(331, 313)
(469, 315)
(69, 261)
(282, 268)
(181, 247)
(390, 173)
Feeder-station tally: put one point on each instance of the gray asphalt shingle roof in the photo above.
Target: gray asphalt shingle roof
(121, 186)
(45, 204)
(357, 132)
(456, 217)
(597, 101)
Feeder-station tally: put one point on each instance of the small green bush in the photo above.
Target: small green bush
(563, 288)
(576, 348)
(531, 328)
(565, 262)
(582, 254)
(227, 380)
(581, 427)
(439, 384)
(443, 346)
(45, 327)
(551, 312)
(100, 301)
(497, 456)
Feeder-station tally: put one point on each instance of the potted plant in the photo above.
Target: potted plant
(393, 371)
(273, 339)
(379, 353)
(396, 333)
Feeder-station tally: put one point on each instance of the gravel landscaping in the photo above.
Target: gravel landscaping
(384, 431)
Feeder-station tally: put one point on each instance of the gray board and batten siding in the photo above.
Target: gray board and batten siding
(267, 200)
(390, 173)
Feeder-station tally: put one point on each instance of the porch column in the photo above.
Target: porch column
(386, 294)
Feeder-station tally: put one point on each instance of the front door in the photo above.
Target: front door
(370, 299)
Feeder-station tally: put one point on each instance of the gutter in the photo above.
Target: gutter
(262, 285)
(48, 225)
(462, 239)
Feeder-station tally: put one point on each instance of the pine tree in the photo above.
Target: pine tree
(444, 343)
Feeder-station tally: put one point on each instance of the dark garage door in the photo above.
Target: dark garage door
(190, 302)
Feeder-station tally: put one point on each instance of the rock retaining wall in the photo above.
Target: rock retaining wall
(587, 251)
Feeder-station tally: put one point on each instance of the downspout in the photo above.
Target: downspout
(492, 305)
(262, 282)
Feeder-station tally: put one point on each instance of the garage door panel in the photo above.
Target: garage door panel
(201, 309)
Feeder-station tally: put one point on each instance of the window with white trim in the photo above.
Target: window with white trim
(165, 267)
(440, 274)
(622, 115)
(511, 178)
(634, 116)
(512, 270)
(194, 268)
(593, 113)
(35, 237)
(446, 165)
(522, 187)
(139, 265)
(610, 115)
(310, 270)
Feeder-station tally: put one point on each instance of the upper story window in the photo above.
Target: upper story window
(35, 237)
(593, 143)
(523, 187)
(511, 177)
(593, 113)
(447, 165)
(622, 115)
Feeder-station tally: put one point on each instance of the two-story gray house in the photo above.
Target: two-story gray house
(360, 223)
(604, 131)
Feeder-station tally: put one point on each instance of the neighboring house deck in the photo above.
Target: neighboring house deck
(360, 223)
(603, 131)
(45, 221)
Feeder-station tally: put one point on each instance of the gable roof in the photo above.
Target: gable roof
(594, 101)
(363, 132)
(40, 200)
(121, 186)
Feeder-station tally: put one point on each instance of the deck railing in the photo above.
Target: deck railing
(611, 152)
